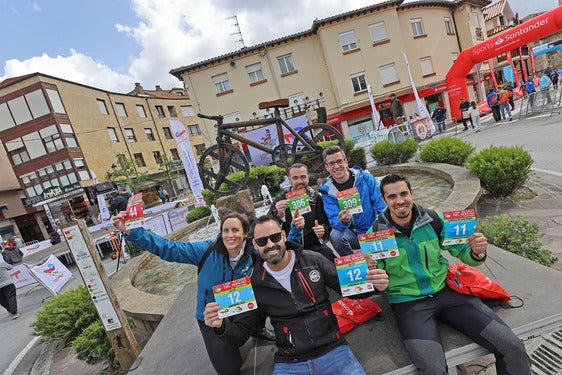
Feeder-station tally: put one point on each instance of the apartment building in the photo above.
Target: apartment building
(59, 138)
(331, 64)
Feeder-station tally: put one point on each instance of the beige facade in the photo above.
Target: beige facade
(335, 60)
(60, 137)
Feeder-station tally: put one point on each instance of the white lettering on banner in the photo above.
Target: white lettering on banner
(21, 276)
(188, 160)
(53, 274)
(510, 36)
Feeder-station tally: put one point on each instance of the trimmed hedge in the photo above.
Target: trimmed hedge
(447, 150)
(386, 153)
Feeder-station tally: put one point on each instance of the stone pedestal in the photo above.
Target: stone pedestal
(240, 202)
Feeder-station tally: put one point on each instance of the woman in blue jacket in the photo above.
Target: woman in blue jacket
(229, 258)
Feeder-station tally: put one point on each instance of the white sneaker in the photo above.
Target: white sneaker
(15, 316)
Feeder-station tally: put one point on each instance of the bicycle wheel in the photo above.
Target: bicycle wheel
(310, 152)
(223, 182)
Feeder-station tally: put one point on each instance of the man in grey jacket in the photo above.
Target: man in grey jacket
(8, 291)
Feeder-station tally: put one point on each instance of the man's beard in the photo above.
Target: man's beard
(274, 259)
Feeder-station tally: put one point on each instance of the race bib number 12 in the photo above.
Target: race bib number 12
(349, 200)
(352, 273)
(235, 297)
(459, 225)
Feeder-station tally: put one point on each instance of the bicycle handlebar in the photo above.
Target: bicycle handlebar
(214, 118)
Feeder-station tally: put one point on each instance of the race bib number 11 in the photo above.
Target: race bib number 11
(298, 200)
(459, 225)
(349, 200)
(379, 245)
(235, 297)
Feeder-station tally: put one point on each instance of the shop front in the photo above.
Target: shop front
(64, 203)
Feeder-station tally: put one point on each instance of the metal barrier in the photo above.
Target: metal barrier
(540, 102)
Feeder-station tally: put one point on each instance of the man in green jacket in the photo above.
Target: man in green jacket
(419, 296)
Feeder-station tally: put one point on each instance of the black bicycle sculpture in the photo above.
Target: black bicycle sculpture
(305, 148)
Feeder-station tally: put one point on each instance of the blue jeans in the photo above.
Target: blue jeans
(338, 361)
(344, 241)
(503, 108)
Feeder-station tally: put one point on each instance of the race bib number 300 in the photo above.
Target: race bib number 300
(298, 200)
(352, 273)
(379, 245)
(235, 297)
(459, 225)
(349, 200)
(135, 216)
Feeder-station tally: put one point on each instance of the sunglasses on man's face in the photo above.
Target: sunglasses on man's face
(262, 241)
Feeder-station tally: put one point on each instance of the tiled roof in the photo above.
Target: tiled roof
(497, 29)
(165, 94)
(493, 10)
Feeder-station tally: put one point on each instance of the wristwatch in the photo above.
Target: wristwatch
(480, 257)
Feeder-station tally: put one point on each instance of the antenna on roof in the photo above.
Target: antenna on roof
(238, 33)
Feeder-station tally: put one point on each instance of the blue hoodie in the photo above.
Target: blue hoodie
(216, 269)
(371, 201)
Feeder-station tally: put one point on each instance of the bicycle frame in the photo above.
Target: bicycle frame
(223, 130)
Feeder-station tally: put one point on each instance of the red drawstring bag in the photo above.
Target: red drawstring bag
(468, 280)
(352, 312)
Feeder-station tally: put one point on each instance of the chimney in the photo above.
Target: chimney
(158, 88)
(138, 89)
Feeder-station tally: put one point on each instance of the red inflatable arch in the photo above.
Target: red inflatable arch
(536, 28)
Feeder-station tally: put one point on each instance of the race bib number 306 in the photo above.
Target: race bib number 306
(235, 297)
(349, 200)
(459, 225)
(298, 200)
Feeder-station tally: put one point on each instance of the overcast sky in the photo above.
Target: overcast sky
(111, 44)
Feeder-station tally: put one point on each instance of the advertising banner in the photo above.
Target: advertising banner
(53, 274)
(21, 276)
(188, 159)
(267, 136)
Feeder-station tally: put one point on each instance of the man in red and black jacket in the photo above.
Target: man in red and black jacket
(290, 286)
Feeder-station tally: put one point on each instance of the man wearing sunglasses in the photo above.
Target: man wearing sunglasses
(290, 285)
(346, 226)
(316, 230)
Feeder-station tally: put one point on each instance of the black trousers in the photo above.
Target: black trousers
(8, 298)
(226, 359)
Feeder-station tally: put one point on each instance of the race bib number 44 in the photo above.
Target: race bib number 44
(459, 225)
(135, 216)
(349, 200)
(235, 297)
(298, 200)
(352, 274)
(379, 245)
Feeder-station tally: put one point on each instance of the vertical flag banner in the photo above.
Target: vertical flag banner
(375, 114)
(424, 114)
(188, 160)
(104, 211)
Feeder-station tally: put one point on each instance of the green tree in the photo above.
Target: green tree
(125, 172)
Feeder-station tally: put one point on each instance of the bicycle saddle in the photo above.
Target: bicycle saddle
(281, 103)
